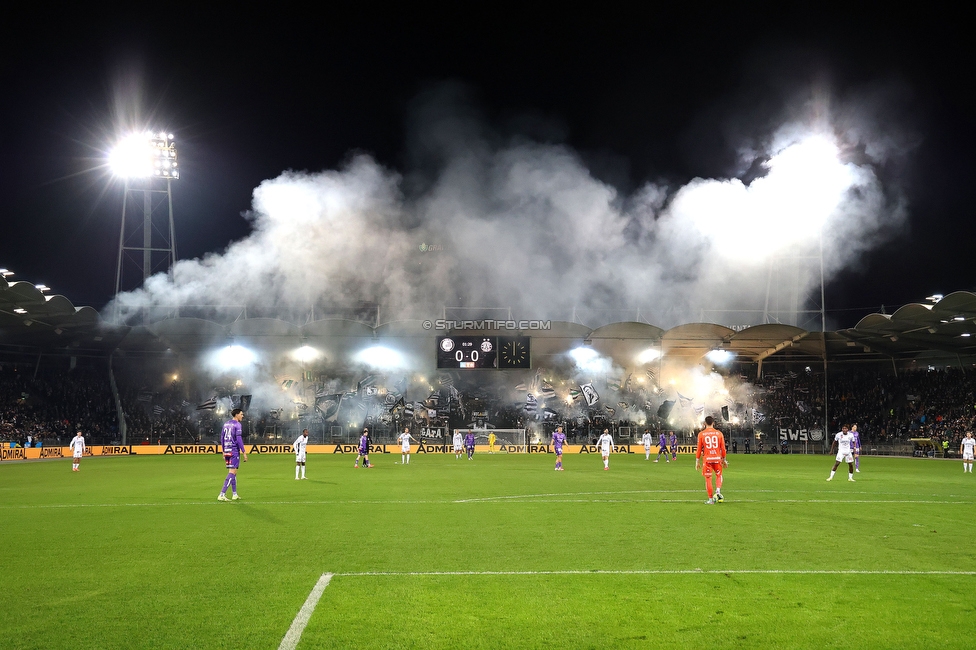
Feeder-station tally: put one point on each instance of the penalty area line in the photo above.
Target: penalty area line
(581, 572)
(294, 634)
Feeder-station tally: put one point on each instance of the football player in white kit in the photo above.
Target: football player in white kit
(646, 440)
(301, 442)
(606, 446)
(966, 448)
(404, 439)
(458, 444)
(77, 446)
(843, 440)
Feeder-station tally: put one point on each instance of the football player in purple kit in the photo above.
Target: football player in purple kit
(673, 442)
(363, 450)
(558, 440)
(469, 444)
(856, 448)
(662, 447)
(232, 441)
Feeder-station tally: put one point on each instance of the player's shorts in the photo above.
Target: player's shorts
(300, 457)
(604, 452)
(471, 448)
(711, 468)
(362, 452)
(233, 461)
(405, 449)
(458, 449)
(845, 458)
(967, 455)
(558, 450)
(77, 456)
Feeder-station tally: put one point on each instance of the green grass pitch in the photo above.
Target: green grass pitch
(137, 553)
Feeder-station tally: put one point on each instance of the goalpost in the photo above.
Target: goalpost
(504, 438)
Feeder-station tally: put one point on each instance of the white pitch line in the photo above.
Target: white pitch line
(294, 634)
(572, 572)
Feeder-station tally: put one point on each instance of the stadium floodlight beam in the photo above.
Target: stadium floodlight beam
(148, 163)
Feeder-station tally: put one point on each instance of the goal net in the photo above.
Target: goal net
(505, 439)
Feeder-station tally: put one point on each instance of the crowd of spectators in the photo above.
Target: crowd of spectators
(939, 404)
(155, 407)
(49, 405)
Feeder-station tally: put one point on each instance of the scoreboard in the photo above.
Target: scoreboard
(473, 352)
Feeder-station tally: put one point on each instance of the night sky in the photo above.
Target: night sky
(655, 96)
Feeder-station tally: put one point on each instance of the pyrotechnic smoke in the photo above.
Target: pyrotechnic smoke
(525, 225)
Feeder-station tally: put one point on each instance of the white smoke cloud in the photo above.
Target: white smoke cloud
(527, 226)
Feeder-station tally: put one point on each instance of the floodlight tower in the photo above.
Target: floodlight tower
(149, 164)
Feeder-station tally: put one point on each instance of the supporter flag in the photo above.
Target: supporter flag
(547, 392)
(328, 406)
(803, 406)
(368, 380)
(757, 417)
(399, 404)
(651, 374)
(610, 410)
(408, 410)
(209, 405)
(531, 404)
(521, 387)
(157, 410)
(302, 406)
(287, 383)
(613, 383)
(623, 405)
(664, 410)
(145, 396)
(700, 410)
(185, 404)
(549, 413)
(445, 379)
(725, 413)
(684, 401)
(245, 403)
(372, 390)
(589, 394)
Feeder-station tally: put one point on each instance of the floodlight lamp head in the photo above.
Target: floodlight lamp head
(145, 155)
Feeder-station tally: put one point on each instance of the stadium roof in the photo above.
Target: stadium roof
(31, 320)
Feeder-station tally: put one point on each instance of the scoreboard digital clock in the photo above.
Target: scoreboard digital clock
(466, 352)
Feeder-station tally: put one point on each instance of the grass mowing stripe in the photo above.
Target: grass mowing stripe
(474, 501)
(294, 634)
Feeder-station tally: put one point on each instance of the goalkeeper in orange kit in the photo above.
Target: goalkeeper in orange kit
(710, 456)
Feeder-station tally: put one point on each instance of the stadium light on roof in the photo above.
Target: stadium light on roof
(234, 356)
(381, 357)
(648, 355)
(145, 155)
(719, 357)
(589, 359)
(305, 353)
